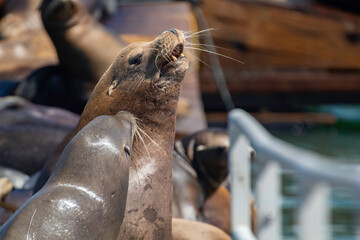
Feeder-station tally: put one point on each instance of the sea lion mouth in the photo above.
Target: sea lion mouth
(176, 55)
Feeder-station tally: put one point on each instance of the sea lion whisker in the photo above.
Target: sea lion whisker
(28, 232)
(151, 140)
(199, 32)
(138, 134)
(166, 57)
(219, 54)
(200, 60)
(187, 32)
(208, 45)
(136, 84)
(156, 58)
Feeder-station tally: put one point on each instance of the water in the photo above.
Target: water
(331, 140)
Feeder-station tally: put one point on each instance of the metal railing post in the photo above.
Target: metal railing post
(239, 168)
(313, 212)
(268, 199)
(357, 225)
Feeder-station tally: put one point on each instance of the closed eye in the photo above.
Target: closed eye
(136, 60)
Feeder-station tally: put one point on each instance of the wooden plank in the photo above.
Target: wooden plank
(151, 18)
(284, 81)
(271, 117)
(269, 37)
(280, 102)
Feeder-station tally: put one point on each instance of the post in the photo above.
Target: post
(239, 168)
(313, 212)
(268, 195)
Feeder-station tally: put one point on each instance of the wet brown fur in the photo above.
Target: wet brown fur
(151, 96)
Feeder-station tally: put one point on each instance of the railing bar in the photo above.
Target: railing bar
(317, 173)
(305, 162)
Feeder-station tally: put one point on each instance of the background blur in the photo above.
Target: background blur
(300, 75)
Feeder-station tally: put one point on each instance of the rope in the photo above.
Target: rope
(214, 60)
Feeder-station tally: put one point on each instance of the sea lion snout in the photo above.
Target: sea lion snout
(174, 32)
(171, 45)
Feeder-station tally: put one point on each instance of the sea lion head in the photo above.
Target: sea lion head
(61, 14)
(145, 80)
(207, 150)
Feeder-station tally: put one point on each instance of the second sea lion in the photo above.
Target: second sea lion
(86, 195)
(29, 133)
(199, 168)
(85, 50)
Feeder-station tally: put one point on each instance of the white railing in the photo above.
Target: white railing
(316, 174)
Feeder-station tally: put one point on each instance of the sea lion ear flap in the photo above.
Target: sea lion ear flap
(112, 87)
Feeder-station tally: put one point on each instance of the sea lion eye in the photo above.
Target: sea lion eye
(127, 150)
(136, 60)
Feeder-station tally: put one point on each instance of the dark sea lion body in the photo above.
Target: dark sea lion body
(144, 82)
(29, 133)
(86, 194)
(199, 168)
(85, 50)
(207, 151)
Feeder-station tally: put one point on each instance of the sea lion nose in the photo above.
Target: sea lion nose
(173, 30)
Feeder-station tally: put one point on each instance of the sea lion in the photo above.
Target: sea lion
(86, 195)
(20, 16)
(29, 133)
(199, 168)
(145, 80)
(207, 152)
(217, 209)
(85, 50)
